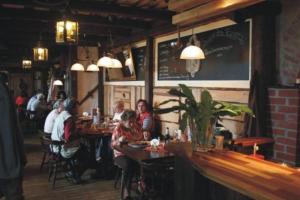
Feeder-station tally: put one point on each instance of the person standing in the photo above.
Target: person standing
(12, 155)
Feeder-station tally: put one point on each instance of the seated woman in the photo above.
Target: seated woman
(144, 118)
(128, 130)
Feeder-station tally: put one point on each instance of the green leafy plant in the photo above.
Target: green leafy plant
(200, 115)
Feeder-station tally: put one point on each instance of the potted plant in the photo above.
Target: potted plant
(200, 116)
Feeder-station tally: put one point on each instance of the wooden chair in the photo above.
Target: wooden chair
(157, 179)
(57, 163)
(45, 147)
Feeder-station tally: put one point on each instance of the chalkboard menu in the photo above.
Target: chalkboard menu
(226, 50)
(139, 60)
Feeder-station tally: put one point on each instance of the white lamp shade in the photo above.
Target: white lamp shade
(128, 62)
(192, 52)
(92, 68)
(77, 67)
(116, 63)
(104, 62)
(58, 82)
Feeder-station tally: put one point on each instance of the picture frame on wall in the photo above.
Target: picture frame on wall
(132, 72)
(127, 72)
(227, 63)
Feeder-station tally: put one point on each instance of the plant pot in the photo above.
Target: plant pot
(202, 141)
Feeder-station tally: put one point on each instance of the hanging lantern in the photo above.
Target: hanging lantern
(66, 31)
(40, 53)
(26, 64)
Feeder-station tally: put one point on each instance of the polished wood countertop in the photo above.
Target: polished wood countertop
(255, 178)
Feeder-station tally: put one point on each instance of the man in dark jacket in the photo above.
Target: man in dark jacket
(12, 156)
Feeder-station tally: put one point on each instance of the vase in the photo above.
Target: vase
(201, 140)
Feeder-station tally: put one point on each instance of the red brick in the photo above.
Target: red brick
(288, 109)
(276, 131)
(291, 150)
(291, 117)
(277, 116)
(293, 101)
(285, 156)
(292, 134)
(288, 93)
(279, 147)
(277, 101)
(287, 125)
(273, 108)
(272, 92)
(286, 141)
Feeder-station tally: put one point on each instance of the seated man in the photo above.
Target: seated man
(119, 110)
(128, 130)
(103, 144)
(64, 130)
(50, 119)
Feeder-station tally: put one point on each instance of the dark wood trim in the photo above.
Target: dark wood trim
(149, 72)
(101, 85)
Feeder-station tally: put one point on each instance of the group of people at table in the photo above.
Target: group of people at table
(130, 126)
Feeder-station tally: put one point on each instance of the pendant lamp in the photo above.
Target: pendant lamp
(40, 53)
(58, 82)
(192, 51)
(26, 64)
(92, 68)
(77, 67)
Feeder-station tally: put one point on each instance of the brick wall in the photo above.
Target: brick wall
(284, 105)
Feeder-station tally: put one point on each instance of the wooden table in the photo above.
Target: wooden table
(257, 179)
(250, 141)
(92, 135)
(140, 155)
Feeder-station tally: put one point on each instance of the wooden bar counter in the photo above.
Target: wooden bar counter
(246, 175)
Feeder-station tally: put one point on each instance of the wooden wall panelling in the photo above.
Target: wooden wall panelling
(133, 91)
(236, 96)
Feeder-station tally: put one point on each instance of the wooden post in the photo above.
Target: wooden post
(149, 72)
(101, 85)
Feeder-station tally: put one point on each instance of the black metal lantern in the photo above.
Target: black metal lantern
(40, 53)
(26, 64)
(66, 31)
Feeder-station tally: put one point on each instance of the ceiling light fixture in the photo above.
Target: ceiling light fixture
(92, 68)
(67, 29)
(40, 53)
(107, 60)
(26, 64)
(77, 67)
(58, 82)
(193, 50)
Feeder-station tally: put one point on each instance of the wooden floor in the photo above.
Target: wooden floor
(36, 186)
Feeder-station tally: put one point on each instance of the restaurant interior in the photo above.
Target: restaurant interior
(219, 81)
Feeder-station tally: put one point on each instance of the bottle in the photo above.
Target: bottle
(167, 135)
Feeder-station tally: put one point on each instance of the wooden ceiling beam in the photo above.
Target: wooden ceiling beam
(211, 9)
(121, 11)
(52, 16)
(37, 27)
(98, 8)
(182, 5)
